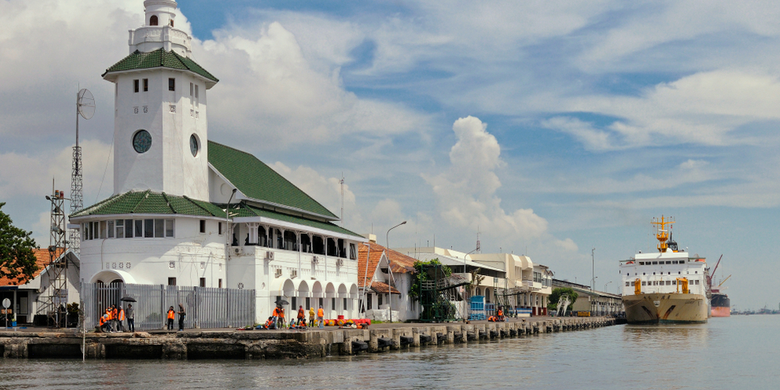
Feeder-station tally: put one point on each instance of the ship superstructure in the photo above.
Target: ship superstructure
(665, 286)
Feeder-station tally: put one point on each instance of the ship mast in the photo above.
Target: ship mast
(661, 233)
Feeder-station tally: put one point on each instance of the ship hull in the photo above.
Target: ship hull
(665, 308)
(721, 305)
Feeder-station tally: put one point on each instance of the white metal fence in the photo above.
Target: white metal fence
(205, 307)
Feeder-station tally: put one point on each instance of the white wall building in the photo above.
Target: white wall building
(190, 212)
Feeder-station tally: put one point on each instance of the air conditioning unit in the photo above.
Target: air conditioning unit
(293, 274)
(315, 260)
(269, 255)
(339, 262)
(278, 272)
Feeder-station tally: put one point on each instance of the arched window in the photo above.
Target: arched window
(171, 22)
(153, 20)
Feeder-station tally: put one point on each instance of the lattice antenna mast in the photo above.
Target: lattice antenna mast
(54, 296)
(341, 182)
(85, 107)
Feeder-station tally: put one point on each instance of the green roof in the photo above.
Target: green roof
(258, 181)
(159, 59)
(148, 202)
(245, 210)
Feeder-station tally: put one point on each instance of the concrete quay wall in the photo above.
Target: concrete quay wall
(240, 344)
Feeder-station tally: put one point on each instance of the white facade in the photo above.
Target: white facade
(170, 105)
(275, 257)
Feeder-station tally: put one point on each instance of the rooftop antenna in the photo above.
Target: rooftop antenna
(341, 182)
(85, 107)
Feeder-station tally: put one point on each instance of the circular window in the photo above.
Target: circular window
(142, 141)
(194, 146)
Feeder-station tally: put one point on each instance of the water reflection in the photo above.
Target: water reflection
(731, 353)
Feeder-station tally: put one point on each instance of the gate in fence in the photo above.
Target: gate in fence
(205, 307)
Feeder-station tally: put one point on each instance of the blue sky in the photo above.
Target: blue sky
(548, 127)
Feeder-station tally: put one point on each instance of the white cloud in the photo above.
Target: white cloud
(466, 191)
(705, 108)
(271, 91)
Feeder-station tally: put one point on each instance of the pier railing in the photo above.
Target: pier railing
(205, 307)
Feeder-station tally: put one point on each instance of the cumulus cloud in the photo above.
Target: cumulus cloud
(466, 191)
(271, 91)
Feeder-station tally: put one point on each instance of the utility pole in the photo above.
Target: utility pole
(593, 269)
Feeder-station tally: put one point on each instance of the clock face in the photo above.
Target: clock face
(142, 141)
(194, 147)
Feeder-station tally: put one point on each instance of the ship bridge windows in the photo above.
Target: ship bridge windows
(644, 283)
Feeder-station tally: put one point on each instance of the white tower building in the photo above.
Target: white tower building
(160, 123)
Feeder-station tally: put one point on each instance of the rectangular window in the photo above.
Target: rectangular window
(219, 228)
(146, 85)
(352, 252)
(128, 228)
(135, 86)
(171, 281)
(169, 228)
(120, 228)
(220, 283)
(148, 228)
(102, 229)
(644, 283)
(321, 302)
(674, 282)
(333, 303)
(294, 305)
(308, 302)
(345, 304)
(159, 228)
(203, 282)
(171, 84)
(203, 226)
(111, 229)
(379, 300)
(369, 300)
(192, 95)
(139, 228)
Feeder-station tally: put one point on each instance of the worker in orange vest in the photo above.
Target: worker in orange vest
(121, 318)
(171, 316)
(301, 316)
(109, 319)
(114, 318)
(320, 317)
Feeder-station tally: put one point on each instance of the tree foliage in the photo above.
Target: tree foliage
(421, 274)
(17, 260)
(558, 293)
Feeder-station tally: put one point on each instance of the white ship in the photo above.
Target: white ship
(665, 286)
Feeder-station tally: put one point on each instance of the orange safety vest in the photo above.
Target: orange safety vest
(281, 312)
(320, 312)
(114, 314)
(122, 315)
(103, 319)
(108, 315)
(171, 314)
(500, 313)
(301, 313)
(276, 312)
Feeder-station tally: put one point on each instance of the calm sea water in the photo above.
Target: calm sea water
(726, 353)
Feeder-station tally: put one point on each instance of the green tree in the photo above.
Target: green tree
(558, 293)
(17, 260)
(421, 275)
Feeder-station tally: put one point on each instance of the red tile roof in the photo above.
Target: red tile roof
(381, 288)
(41, 258)
(399, 262)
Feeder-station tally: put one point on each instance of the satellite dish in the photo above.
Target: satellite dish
(86, 104)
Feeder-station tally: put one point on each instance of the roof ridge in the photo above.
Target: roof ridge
(168, 202)
(198, 205)
(146, 194)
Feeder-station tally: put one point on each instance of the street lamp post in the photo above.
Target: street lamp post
(390, 292)
(606, 284)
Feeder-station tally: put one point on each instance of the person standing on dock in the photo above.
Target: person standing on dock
(114, 318)
(121, 318)
(311, 317)
(301, 316)
(320, 317)
(130, 318)
(171, 315)
(182, 314)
